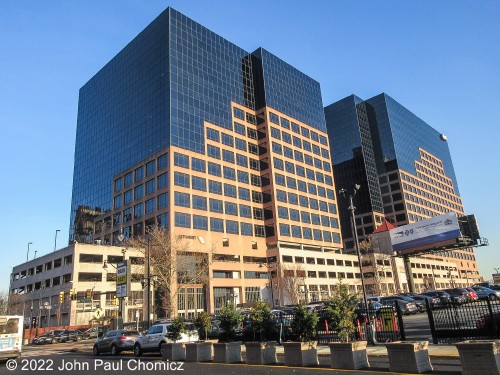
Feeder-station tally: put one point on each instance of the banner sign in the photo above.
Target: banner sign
(426, 232)
(122, 279)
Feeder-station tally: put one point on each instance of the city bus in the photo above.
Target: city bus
(11, 336)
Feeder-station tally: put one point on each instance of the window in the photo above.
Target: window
(253, 149)
(321, 191)
(243, 177)
(286, 137)
(181, 179)
(276, 147)
(258, 213)
(213, 134)
(334, 223)
(199, 183)
(280, 179)
(305, 217)
(232, 227)
(275, 133)
(214, 169)
(289, 167)
(230, 190)
(150, 168)
(198, 165)
(310, 174)
(150, 206)
(327, 236)
(306, 145)
(285, 230)
(296, 231)
(228, 156)
(127, 180)
(281, 196)
(287, 152)
(118, 201)
(326, 167)
(199, 203)
(245, 211)
(294, 214)
(312, 189)
(244, 193)
(182, 199)
(309, 160)
(150, 186)
(162, 181)
(246, 229)
(127, 197)
(251, 133)
(239, 128)
(293, 198)
(306, 233)
(200, 222)
(323, 206)
(162, 163)
(317, 235)
(216, 225)
(299, 156)
(242, 160)
(216, 205)
(256, 180)
(139, 173)
(227, 140)
(282, 212)
(239, 113)
(304, 201)
(162, 200)
(315, 219)
(231, 209)
(138, 210)
(313, 203)
(229, 173)
(278, 164)
(181, 160)
(182, 220)
(241, 144)
(297, 142)
(274, 118)
(213, 152)
(254, 164)
(259, 231)
(215, 187)
(118, 184)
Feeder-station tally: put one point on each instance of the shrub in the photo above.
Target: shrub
(304, 324)
(230, 321)
(342, 311)
(203, 324)
(262, 320)
(177, 327)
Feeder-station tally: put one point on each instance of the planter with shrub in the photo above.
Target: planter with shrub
(303, 329)
(228, 350)
(261, 351)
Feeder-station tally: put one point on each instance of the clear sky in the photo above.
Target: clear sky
(440, 59)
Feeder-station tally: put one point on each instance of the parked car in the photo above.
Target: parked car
(458, 295)
(56, 337)
(373, 310)
(95, 332)
(406, 307)
(157, 334)
(443, 296)
(486, 293)
(115, 342)
(434, 302)
(472, 294)
(38, 340)
(488, 285)
(420, 305)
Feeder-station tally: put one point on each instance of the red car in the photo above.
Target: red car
(472, 295)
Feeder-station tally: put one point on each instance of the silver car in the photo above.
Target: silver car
(157, 335)
(115, 341)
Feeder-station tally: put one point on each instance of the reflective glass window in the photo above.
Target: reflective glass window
(243, 177)
(216, 205)
(162, 180)
(200, 222)
(181, 179)
(228, 156)
(199, 203)
(213, 135)
(213, 152)
(241, 144)
(199, 183)
(216, 225)
(182, 220)
(215, 187)
(232, 227)
(139, 173)
(198, 165)
(230, 190)
(162, 162)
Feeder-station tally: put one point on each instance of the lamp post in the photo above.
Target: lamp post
(55, 239)
(28, 253)
(351, 208)
(147, 281)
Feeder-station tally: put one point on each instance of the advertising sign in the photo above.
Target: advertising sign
(425, 233)
(122, 279)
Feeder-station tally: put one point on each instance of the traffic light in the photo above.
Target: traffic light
(34, 321)
(88, 294)
(115, 301)
(61, 297)
(71, 292)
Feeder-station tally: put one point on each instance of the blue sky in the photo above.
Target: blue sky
(439, 59)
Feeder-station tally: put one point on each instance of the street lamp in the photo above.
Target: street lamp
(147, 281)
(28, 253)
(344, 194)
(55, 240)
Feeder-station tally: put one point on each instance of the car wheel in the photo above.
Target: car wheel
(137, 350)
(492, 297)
(95, 350)
(114, 350)
(78, 338)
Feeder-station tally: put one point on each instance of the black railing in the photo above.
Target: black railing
(453, 322)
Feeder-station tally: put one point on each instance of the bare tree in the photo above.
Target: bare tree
(290, 279)
(4, 302)
(174, 263)
(370, 257)
(11, 304)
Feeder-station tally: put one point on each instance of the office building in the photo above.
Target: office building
(404, 168)
(225, 148)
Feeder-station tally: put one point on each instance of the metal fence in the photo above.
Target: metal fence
(454, 322)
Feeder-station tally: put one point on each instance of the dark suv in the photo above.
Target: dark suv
(459, 295)
(115, 341)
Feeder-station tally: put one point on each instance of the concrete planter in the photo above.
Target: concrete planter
(349, 355)
(199, 351)
(173, 351)
(300, 354)
(479, 356)
(260, 353)
(409, 356)
(227, 352)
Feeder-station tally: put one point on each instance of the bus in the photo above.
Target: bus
(11, 336)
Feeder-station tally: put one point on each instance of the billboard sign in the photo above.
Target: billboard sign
(426, 234)
(122, 279)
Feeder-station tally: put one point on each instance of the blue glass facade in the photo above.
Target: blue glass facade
(399, 135)
(158, 92)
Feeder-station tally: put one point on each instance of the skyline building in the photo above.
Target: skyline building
(404, 168)
(226, 149)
